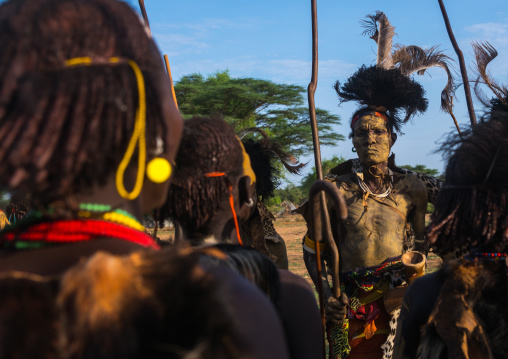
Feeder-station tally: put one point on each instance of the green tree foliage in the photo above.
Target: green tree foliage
(422, 169)
(310, 178)
(299, 193)
(247, 102)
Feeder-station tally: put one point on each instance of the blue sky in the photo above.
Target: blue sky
(272, 40)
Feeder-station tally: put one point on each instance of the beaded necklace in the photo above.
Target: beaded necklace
(104, 212)
(36, 231)
(493, 257)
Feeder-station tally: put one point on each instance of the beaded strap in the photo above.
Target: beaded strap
(488, 256)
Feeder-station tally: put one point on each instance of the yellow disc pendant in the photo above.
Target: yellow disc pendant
(158, 170)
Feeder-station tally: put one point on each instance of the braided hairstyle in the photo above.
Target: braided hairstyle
(472, 209)
(208, 145)
(64, 129)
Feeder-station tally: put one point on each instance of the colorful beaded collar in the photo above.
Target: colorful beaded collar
(98, 221)
(71, 231)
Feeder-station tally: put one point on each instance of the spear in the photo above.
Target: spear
(463, 71)
(320, 203)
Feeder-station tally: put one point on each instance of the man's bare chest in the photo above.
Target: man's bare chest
(378, 214)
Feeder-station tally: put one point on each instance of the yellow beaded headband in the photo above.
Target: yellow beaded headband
(138, 135)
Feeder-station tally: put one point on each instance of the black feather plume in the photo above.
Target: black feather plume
(384, 90)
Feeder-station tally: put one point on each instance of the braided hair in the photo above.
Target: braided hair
(472, 209)
(208, 145)
(63, 129)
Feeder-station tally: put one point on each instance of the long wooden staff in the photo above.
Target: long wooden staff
(323, 212)
(463, 71)
(166, 60)
(145, 17)
(168, 69)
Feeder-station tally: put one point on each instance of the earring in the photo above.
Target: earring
(158, 170)
(353, 149)
(159, 147)
(250, 203)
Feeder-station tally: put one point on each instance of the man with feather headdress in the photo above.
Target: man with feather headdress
(386, 205)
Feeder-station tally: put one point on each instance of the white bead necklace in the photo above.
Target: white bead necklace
(366, 188)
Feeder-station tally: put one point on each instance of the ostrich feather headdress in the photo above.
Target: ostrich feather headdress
(484, 53)
(387, 87)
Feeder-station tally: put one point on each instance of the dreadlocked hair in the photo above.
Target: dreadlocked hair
(208, 145)
(65, 129)
(472, 209)
(384, 90)
(263, 155)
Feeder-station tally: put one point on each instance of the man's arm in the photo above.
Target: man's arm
(309, 257)
(335, 308)
(417, 216)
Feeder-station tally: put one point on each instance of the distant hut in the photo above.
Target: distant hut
(287, 207)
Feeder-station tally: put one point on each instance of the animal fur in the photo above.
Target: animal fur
(149, 304)
(469, 319)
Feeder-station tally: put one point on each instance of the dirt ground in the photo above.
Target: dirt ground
(292, 228)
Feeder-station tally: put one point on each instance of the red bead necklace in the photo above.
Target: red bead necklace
(71, 231)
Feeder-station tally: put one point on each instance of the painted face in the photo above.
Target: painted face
(372, 139)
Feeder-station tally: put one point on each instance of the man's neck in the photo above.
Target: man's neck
(373, 176)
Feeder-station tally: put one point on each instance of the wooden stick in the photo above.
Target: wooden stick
(455, 122)
(166, 60)
(311, 90)
(463, 71)
(155, 214)
(143, 12)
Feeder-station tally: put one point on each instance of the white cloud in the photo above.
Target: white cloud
(193, 38)
(204, 26)
(181, 44)
(497, 35)
(491, 30)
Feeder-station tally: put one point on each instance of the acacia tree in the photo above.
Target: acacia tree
(247, 102)
(424, 169)
(311, 177)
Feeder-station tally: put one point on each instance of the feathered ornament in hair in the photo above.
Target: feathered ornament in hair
(484, 53)
(264, 155)
(392, 87)
(288, 160)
